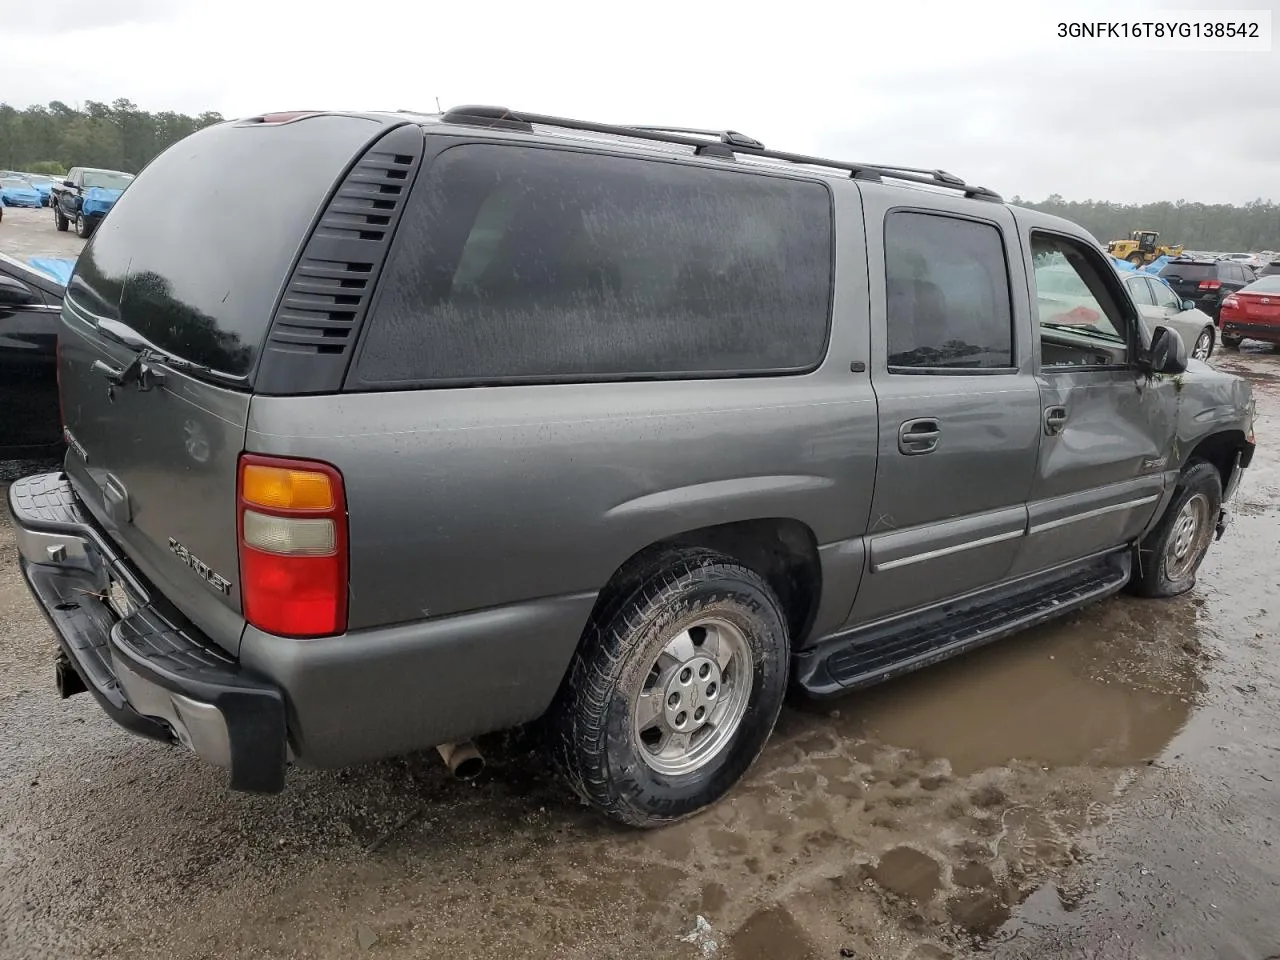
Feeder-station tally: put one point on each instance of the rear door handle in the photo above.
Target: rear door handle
(1055, 418)
(918, 436)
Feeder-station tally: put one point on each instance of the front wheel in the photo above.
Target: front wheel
(1136, 259)
(1169, 556)
(83, 228)
(60, 221)
(674, 691)
(1203, 348)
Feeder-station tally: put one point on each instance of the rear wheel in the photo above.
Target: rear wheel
(60, 221)
(675, 690)
(1169, 556)
(1203, 348)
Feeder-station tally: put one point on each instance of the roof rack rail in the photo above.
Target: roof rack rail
(726, 144)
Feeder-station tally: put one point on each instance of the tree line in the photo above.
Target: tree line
(1210, 227)
(117, 136)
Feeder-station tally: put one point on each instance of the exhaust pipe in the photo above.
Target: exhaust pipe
(462, 759)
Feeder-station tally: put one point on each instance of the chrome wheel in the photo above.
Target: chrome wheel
(1203, 347)
(1188, 538)
(693, 698)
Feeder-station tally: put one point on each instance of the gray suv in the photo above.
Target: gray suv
(482, 418)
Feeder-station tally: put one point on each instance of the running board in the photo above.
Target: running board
(877, 652)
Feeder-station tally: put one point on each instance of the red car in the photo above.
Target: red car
(1252, 313)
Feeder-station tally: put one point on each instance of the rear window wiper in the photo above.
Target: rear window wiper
(140, 369)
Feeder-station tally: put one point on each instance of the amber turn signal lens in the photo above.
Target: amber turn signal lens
(277, 488)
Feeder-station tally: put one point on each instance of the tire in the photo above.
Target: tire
(60, 221)
(1232, 343)
(83, 230)
(1136, 259)
(1204, 343)
(693, 600)
(1166, 561)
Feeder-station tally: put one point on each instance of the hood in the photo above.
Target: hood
(22, 193)
(102, 194)
(98, 200)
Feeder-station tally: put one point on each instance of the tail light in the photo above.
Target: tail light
(1210, 284)
(1230, 301)
(293, 546)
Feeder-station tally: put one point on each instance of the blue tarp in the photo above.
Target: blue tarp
(57, 267)
(1155, 265)
(23, 195)
(1124, 266)
(98, 200)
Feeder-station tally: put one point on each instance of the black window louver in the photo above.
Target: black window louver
(316, 322)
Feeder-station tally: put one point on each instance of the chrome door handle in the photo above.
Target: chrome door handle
(1055, 418)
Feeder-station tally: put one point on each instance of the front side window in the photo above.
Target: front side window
(1080, 320)
(947, 294)
(522, 264)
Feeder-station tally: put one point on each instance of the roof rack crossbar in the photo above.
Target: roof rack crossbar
(726, 139)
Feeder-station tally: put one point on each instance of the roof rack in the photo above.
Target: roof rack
(726, 144)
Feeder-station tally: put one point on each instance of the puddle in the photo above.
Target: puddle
(1108, 688)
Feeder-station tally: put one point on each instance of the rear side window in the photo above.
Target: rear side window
(522, 264)
(1188, 271)
(194, 253)
(947, 293)
(1140, 290)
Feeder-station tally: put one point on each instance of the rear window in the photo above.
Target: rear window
(195, 252)
(517, 264)
(1269, 284)
(1190, 271)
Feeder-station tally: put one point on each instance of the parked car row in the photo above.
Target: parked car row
(79, 200)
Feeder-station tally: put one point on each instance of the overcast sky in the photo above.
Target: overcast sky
(985, 90)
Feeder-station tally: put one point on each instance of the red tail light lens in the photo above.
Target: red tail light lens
(292, 523)
(1231, 301)
(1210, 284)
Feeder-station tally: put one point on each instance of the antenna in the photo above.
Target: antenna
(438, 108)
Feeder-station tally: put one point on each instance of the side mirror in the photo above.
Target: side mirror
(1188, 304)
(15, 293)
(67, 183)
(1168, 354)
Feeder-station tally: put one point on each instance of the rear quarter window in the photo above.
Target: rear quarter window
(519, 264)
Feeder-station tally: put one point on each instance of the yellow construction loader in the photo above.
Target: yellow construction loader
(1141, 248)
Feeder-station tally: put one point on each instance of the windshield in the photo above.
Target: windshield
(39, 179)
(13, 182)
(1189, 271)
(112, 181)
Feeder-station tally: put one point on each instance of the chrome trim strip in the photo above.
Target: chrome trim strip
(1090, 514)
(944, 551)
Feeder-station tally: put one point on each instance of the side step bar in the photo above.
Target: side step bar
(874, 653)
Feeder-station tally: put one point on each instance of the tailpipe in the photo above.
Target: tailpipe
(463, 759)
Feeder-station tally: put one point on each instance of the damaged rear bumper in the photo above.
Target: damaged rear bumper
(152, 672)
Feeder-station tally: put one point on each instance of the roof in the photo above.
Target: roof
(714, 145)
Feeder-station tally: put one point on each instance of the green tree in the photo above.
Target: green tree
(120, 136)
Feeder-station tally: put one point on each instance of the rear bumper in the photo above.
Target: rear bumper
(150, 671)
(1266, 332)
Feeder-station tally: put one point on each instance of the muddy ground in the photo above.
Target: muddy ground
(1102, 787)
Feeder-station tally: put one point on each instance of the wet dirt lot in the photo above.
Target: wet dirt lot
(28, 232)
(1106, 786)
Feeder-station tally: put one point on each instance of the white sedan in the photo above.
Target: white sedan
(1160, 306)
